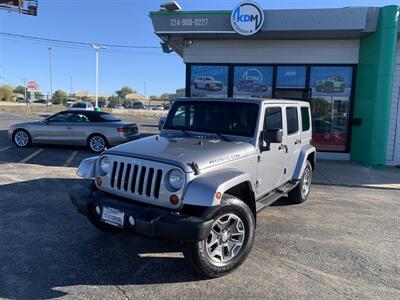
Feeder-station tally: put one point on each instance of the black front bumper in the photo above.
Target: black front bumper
(150, 221)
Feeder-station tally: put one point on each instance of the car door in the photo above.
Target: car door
(57, 129)
(82, 128)
(292, 139)
(270, 169)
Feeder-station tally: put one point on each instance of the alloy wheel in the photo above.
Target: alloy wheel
(21, 138)
(226, 238)
(97, 143)
(305, 188)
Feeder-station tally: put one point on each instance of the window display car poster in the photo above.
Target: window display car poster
(209, 81)
(331, 81)
(291, 77)
(252, 81)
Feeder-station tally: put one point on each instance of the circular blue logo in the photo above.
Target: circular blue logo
(247, 18)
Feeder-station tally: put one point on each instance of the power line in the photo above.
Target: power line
(58, 42)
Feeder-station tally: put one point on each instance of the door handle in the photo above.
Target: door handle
(69, 127)
(298, 141)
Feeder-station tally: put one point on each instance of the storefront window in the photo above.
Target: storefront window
(209, 81)
(291, 77)
(330, 106)
(252, 81)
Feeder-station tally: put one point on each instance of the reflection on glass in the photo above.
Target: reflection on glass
(291, 77)
(252, 81)
(330, 106)
(209, 81)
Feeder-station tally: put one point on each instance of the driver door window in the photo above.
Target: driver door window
(62, 118)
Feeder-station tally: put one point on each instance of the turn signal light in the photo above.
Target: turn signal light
(174, 199)
(122, 129)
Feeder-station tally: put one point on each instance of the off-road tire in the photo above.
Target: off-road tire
(197, 255)
(297, 195)
(26, 134)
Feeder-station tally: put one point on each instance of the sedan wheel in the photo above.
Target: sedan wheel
(97, 143)
(22, 138)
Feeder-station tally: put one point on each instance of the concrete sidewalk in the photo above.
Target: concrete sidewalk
(347, 173)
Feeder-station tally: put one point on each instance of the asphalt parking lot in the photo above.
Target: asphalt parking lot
(342, 243)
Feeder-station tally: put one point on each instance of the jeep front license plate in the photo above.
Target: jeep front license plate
(113, 216)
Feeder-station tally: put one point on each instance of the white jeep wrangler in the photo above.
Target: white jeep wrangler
(202, 181)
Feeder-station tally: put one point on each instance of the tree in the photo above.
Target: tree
(153, 97)
(60, 97)
(164, 97)
(124, 91)
(38, 95)
(20, 90)
(112, 100)
(6, 93)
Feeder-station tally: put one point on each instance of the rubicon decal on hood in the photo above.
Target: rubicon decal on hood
(224, 159)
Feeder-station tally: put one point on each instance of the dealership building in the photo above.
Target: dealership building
(345, 62)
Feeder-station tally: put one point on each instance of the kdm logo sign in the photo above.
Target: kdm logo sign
(247, 18)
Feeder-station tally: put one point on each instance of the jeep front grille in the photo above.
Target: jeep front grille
(136, 179)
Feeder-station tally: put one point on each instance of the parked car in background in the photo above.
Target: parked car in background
(251, 86)
(331, 84)
(82, 106)
(137, 105)
(119, 107)
(208, 83)
(96, 130)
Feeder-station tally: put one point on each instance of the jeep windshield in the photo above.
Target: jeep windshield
(231, 118)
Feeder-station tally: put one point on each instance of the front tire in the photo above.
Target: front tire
(97, 143)
(228, 243)
(300, 193)
(22, 138)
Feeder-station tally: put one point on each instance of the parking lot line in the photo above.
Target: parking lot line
(22, 161)
(4, 148)
(70, 158)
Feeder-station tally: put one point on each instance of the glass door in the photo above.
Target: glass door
(330, 106)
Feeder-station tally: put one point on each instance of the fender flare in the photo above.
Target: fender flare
(301, 161)
(202, 190)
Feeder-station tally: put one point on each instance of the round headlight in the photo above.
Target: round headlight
(105, 165)
(176, 179)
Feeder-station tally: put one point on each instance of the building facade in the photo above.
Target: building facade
(345, 62)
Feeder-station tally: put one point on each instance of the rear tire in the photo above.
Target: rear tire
(228, 242)
(97, 143)
(300, 193)
(22, 138)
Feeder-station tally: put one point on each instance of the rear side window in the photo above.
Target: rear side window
(273, 118)
(305, 119)
(292, 120)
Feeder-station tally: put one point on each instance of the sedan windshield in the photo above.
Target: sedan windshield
(232, 118)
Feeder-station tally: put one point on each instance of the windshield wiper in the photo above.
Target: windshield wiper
(223, 137)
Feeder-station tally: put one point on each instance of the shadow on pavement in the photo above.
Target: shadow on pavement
(46, 245)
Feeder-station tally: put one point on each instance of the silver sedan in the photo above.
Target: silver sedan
(96, 130)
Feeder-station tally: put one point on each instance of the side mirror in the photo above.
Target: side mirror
(271, 136)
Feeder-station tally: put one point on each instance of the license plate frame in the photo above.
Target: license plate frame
(113, 216)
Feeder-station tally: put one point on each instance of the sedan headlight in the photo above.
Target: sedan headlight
(176, 179)
(105, 165)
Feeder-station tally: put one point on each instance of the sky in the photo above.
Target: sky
(125, 22)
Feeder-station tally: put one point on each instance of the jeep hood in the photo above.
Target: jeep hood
(183, 151)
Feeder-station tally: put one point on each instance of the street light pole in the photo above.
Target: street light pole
(97, 48)
(51, 78)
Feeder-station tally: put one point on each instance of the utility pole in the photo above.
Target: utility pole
(24, 80)
(51, 78)
(70, 86)
(97, 72)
